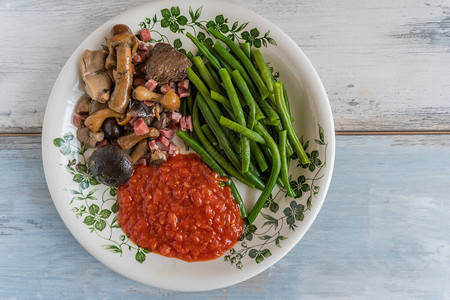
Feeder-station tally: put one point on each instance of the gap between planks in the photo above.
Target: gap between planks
(426, 132)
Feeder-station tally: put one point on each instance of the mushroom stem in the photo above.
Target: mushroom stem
(127, 141)
(139, 151)
(169, 100)
(94, 122)
(121, 94)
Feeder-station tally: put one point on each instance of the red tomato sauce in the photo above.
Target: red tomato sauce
(179, 210)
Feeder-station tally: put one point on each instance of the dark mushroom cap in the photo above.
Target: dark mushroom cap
(111, 165)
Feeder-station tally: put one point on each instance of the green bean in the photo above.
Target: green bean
(259, 156)
(286, 99)
(207, 131)
(213, 152)
(213, 71)
(190, 99)
(222, 62)
(235, 64)
(246, 48)
(274, 172)
(214, 61)
(281, 104)
(223, 141)
(282, 139)
(242, 86)
(222, 99)
(245, 61)
(264, 71)
(254, 136)
(201, 87)
(268, 110)
(270, 123)
(238, 115)
(205, 74)
(214, 166)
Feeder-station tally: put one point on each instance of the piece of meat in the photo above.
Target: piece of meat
(145, 35)
(175, 116)
(151, 85)
(96, 80)
(163, 121)
(157, 158)
(167, 133)
(166, 64)
(140, 127)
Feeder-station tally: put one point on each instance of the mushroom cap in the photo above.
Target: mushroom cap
(123, 38)
(111, 165)
(120, 28)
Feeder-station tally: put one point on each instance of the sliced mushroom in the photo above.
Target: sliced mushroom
(124, 45)
(157, 158)
(88, 137)
(169, 100)
(83, 105)
(97, 81)
(127, 141)
(139, 151)
(94, 122)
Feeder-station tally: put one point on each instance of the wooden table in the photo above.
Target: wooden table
(383, 232)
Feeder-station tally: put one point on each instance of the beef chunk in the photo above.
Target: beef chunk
(166, 64)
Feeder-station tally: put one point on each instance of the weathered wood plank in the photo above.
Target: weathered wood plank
(383, 63)
(382, 232)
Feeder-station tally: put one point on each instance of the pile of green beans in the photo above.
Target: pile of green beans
(241, 119)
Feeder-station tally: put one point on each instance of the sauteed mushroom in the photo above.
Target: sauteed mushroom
(127, 141)
(94, 122)
(89, 138)
(169, 100)
(97, 81)
(124, 44)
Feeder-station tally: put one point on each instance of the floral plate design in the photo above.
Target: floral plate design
(89, 209)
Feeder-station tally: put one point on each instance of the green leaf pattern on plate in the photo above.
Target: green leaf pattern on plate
(98, 210)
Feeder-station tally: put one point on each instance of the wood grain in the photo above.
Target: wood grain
(384, 64)
(381, 234)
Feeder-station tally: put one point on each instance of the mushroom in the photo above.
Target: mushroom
(123, 43)
(169, 100)
(83, 105)
(111, 129)
(95, 106)
(139, 151)
(94, 122)
(127, 141)
(111, 165)
(157, 158)
(162, 122)
(88, 137)
(97, 81)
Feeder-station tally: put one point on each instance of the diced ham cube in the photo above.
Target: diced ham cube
(183, 84)
(167, 133)
(140, 127)
(142, 161)
(165, 88)
(102, 143)
(143, 55)
(173, 149)
(152, 145)
(183, 125)
(145, 35)
(189, 123)
(163, 140)
(186, 123)
(182, 93)
(78, 120)
(133, 120)
(175, 116)
(137, 59)
(143, 47)
(139, 82)
(151, 85)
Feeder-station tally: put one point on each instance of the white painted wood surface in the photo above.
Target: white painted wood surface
(381, 234)
(383, 230)
(385, 60)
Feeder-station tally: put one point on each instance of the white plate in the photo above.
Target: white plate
(90, 212)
